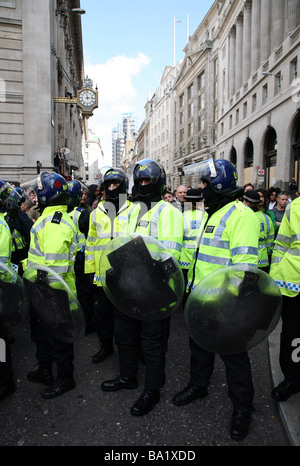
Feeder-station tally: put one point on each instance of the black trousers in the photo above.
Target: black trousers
(50, 349)
(238, 374)
(85, 290)
(289, 357)
(133, 336)
(104, 312)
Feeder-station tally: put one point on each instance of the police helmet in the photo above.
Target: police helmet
(102, 172)
(51, 189)
(4, 189)
(148, 169)
(221, 175)
(117, 176)
(75, 191)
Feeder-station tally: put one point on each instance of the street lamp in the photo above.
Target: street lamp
(77, 11)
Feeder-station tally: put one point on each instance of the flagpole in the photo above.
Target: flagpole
(188, 35)
(174, 42)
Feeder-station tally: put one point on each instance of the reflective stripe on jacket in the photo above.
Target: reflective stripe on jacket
(6, 242)
(54, 244)
(194, 221)
(285, 267)
(165, 223)
(102, 230)
(230, 237)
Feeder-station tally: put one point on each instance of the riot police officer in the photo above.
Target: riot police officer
(163, 221)
(7, 385)
(53, 243)
(108, 219)
(80, 217)
(230, 237)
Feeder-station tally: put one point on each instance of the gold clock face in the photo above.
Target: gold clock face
(87, 98)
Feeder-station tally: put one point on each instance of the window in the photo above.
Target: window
(200, 80)
(264, 93)
(245, 110)
(253, 102)
(294, 69)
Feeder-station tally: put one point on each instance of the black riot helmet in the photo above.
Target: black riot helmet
(148, 169)
(115, 176)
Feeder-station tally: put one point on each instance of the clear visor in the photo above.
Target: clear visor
(204, 169)
(10, 192)
(102, 172)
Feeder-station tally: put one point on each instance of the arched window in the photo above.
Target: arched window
(248, 158)
(233, 156)
(270, 153)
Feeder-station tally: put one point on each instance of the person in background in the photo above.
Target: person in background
(248, 187)
(270, 220)
(279, 209)
(168, 196)
(272, 197)
(179, 197)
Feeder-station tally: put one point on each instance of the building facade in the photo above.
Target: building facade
(237, 95)
(93, 156)
(41, 58)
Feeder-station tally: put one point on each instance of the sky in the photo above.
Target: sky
(126, 46)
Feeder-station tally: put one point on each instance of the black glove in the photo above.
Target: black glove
(12, 208)
(249, 284)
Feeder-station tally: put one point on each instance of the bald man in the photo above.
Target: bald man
(180, 194)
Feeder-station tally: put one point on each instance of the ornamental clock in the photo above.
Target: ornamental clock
(87, 100)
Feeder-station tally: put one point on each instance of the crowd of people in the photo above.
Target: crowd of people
(66, 226)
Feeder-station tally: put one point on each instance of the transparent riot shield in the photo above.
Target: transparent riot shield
(233, 309)
(13, 303)
(141, 278)
(53, 303)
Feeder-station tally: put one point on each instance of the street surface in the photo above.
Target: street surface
(87, 416)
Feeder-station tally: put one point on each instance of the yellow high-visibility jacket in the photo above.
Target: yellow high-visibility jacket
(230, 237)
(102, 230)
(285, 267)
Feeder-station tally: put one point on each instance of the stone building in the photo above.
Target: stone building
(237, 94)
(41, 57)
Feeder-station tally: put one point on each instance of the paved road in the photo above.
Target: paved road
(86, 416)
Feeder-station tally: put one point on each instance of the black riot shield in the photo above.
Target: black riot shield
(54, 304)
(141, 278)
(13, 303)
(233, 309)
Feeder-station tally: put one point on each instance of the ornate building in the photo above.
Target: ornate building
(41, 58)
(237, 94)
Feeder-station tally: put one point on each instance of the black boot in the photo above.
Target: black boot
(105, 350)
(42, 375)
(146, 402)
(59, 387)
(119, 383)
(240, 423)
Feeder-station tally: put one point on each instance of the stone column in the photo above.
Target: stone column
(278, 23)
(239, 52)
(232, 44)
(255, 35)
(293, 14)
(247, 41)
(265, 30)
